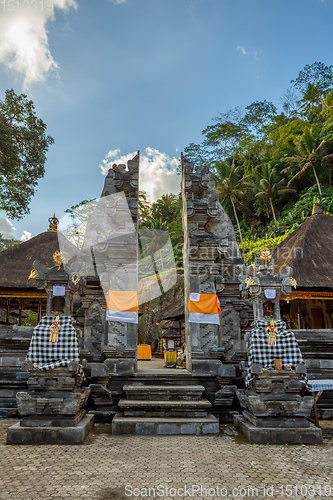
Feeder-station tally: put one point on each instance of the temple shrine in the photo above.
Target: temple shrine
(257, 344)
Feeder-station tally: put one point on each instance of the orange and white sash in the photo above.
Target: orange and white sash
(122, 306)
(204, 308)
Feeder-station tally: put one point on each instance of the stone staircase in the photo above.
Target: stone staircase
(163, 403)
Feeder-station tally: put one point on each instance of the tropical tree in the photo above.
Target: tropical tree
(74, 226)
(268, 184)
(318, 75)
(6, 243)
(259, 115)
(23, 148)
(229, 184)
(312, 98)
(166, 208)
(310, 155)
(222, 137)
(144, 209)
(198, 154)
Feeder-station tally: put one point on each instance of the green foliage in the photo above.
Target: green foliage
(197, 154)
(222, 137)
(6, 243)
(23, 148)
(165, 214)
(229, 184)
(303, 206)
(31, 319)
(327, 106)
(318, 76)
(259, 116)
(281, 137)
(144, 209)
(310, 156)
(79, 215)
(269, 185)
(251, 250)
(274, 157)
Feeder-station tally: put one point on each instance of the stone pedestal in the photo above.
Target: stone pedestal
(274, 412)
(53, 409)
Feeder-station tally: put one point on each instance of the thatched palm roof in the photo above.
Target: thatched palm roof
(17, 262)
(309, 251)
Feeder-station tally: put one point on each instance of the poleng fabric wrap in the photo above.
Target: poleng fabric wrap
(46, 355)
(122, 306)
(205, 310)
(260, 352)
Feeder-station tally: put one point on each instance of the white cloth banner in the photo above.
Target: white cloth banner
(270, 293)
(122, 316)
(210, 319)
(58, 291)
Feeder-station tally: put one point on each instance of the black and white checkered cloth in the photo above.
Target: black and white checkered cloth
(47, 355)
(260, 352)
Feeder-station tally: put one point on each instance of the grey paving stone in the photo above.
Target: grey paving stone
(102, 467)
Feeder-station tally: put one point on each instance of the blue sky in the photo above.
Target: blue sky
(110, 77)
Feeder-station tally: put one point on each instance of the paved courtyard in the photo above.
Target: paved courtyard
(118, 467)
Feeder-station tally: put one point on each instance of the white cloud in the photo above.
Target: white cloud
(158, 171)
(25, 236)
(6, 228)
(241, 49)
(118, 2)
(24, 45)
(246, 52)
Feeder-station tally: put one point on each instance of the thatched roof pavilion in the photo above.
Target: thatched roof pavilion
(16, 263)
(309, 251)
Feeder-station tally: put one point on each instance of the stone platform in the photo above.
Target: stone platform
(164, 426)
(18, 434)
(283, 435)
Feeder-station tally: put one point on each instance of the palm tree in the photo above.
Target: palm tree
(310, 153)
(312, 97)
(269, 184)
(229, 184)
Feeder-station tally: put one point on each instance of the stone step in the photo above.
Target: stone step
(164, 392)
(9, 413)
(164, 426)
(163, 377)
(136, 404)
(7, 393)
(181, 413)
(164, 408)
(8, 403)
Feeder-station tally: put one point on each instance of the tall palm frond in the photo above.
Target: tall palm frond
(310, 154)
(229, 184)
(267, 183)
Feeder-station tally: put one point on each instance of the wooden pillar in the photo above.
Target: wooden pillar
(40, 305)
(20, 313)
(7, 311)
(299, 314)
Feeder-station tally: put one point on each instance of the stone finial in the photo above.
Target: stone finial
(317, 210)
(53, 228)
